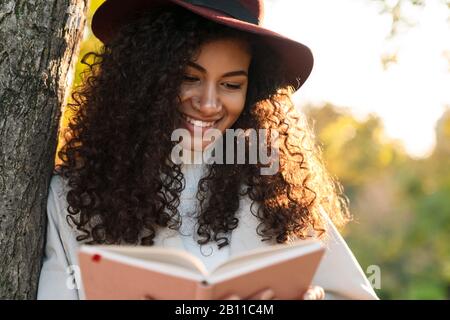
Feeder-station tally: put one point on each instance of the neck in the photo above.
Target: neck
(197, 156)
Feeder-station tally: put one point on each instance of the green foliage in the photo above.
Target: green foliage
(401, 206)
(90, 43)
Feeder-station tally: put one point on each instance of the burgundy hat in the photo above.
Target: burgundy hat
(245, 15)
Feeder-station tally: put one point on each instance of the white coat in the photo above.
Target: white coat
(339, 273)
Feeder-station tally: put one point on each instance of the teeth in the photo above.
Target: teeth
(198, 123)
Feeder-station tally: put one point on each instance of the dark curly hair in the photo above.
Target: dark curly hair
(118, 143)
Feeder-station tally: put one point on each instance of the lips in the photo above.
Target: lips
(198, 123)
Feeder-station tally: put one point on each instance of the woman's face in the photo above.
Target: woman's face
(214, 88)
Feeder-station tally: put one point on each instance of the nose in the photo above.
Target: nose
(207, 101)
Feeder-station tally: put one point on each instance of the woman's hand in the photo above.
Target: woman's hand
(313, 293)
(266, 294)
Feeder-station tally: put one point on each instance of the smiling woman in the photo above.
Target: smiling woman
(181, 64)
(215, 86)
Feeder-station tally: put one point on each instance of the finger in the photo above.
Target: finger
(320, 293)
(232, 297)
(309, 295)
(266, 294)
(314, 293)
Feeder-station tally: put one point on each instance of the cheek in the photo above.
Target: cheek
(184, 93)
(187, 91)
(235, 106)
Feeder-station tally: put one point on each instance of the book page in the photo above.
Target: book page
(262, 257)
(168, 256)
(109, 275)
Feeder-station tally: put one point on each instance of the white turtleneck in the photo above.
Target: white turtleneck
(209, 253)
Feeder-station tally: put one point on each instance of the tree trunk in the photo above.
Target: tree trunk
(39, 41)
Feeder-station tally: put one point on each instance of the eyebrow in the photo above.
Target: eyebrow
(228, 74)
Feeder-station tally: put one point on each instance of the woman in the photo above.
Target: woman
(193, 65)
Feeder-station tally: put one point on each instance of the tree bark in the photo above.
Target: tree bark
(39, 41)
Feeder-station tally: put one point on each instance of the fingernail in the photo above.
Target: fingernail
(269, 294)
(308, 296)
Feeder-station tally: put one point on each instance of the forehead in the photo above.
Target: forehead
(224, 53)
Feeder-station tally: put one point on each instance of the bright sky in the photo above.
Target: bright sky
(348, 38)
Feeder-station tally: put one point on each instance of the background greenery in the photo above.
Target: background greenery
(401, 205)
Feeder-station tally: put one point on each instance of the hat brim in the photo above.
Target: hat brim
(296, 57)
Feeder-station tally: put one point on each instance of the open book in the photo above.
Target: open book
(134, 272)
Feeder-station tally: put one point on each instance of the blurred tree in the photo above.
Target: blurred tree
(442, 148)
(401, 22)
(396, 10)
(401, 206)
(362, 145)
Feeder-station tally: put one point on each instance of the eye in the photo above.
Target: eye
(189, 78)
(233, 86)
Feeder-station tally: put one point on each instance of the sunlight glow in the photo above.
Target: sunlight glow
(349, 38)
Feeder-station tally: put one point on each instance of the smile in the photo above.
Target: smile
(198, 123)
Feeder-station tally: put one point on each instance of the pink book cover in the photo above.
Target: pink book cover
(135, 272)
